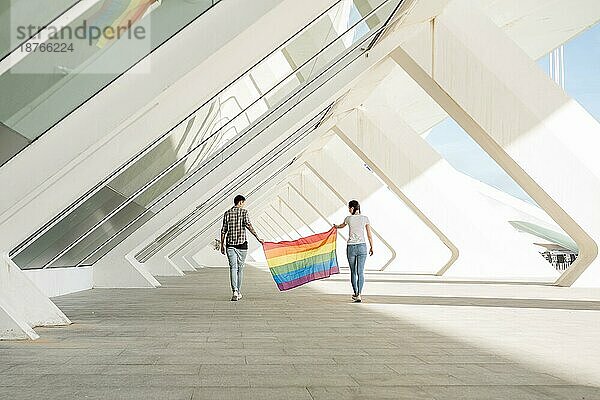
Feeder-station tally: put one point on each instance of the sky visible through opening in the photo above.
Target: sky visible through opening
(582, 82)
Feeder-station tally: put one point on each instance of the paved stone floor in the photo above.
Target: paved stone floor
(186, 340)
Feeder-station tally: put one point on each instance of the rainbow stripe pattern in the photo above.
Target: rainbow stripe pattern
(294, 263)
(119, 14)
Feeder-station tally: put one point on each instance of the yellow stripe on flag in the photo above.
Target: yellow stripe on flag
(288, 258)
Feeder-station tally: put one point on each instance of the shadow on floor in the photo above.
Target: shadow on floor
(480, 302)
(186, 341)
(406, 278)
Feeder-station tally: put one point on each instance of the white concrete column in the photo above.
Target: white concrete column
(184, 260)
(342, 170)
(270, 218)
(544, 140)
(122, 271)
(183, 255)
(291, 229)
(314, 193)
(184, 267)
(189, 259)
(448, 198)
(208, 257)
(268, 226)
(160, 266)
(22, 305)
(316, 223)
(295, 217)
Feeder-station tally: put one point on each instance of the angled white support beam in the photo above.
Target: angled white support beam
(276, 229)
(269, 216)
(343, 175)
(180, 263)
(207, 257)
(12, 326)
(540, 26)
(189, 259)
(423, 113)
(126, 272)
(236, 159)
(446, 197)
(336, 164)
(22, 305)
(184, 267)
(291, 212)
(519, 117)
(281, 217)
(186, 257)
(320, 222)
(454, 251)
(181, 259)
(270, 228)
(190, 246)
(258, 202)
(160, 266)
(316, 208)
(343, 204)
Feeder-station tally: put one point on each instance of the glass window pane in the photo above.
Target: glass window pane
(45, 86)
(157, 176)
(26, 16)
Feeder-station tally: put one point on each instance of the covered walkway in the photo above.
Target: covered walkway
(408, 340)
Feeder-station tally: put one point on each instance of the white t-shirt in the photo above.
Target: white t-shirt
(356, 223)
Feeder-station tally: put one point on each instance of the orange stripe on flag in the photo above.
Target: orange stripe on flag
(298, 248)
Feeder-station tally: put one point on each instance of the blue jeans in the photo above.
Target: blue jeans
(357, 255)
(236, 258)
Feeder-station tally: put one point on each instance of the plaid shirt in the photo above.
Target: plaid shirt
(235, 221)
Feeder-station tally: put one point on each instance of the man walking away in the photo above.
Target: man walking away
(234, 243)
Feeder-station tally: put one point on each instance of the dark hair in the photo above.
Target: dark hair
(356, 207)
(238, 199)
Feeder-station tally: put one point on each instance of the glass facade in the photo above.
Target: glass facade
(59, 73)
(232, 115)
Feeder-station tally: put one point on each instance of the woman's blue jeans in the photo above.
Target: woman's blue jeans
(357, 255)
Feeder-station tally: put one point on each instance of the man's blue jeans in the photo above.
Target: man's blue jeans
(236, 258)
(357, 256)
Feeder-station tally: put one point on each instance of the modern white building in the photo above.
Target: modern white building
(118, 157)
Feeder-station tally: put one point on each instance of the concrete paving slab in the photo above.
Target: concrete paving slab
(187, 340)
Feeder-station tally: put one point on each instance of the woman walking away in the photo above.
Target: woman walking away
(357, 247)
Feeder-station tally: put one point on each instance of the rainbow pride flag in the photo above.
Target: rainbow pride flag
(294, 263)
(119, 15)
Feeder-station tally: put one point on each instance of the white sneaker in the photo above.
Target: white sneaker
(239, 296)
(357, 299)
(235, 297)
